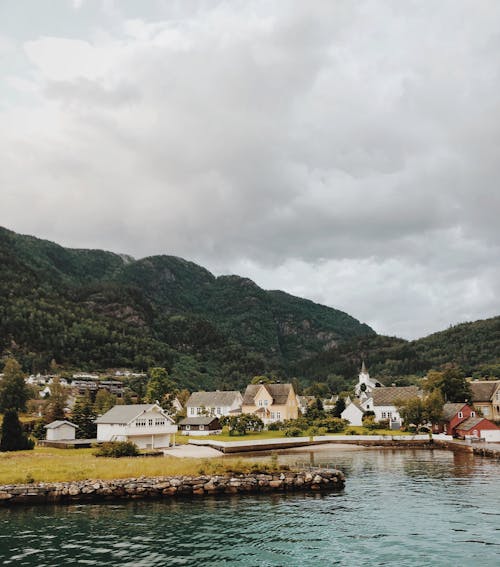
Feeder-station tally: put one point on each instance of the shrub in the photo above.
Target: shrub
(332, 424)
(293, 432)
(370, 423)
(13, 436)
(275, 426)
(383, 424)
(315, 430)
(117, 449)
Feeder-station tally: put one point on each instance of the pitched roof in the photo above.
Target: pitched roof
(200, 420)
(389, 396)
(279, 393)
(482, 391)
(470, 423)
(219, 398)
(449, 410)
(124, 414)
(58, 423)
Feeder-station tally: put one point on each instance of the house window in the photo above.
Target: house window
(219, 411)
(260, 403)
(460, 414)
(272, 415)
(191, 411)
(473, 414)
(202, 427)
(198, 411)
(486, 411)
(389, 414)
(188, 427)
(150, 422)
(266, 402)
(278, 415)
(384, 415)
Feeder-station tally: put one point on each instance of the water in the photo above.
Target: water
(404, 508)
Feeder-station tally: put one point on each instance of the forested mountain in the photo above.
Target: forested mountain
(94, 309)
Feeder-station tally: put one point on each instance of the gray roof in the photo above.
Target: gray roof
(200, 420)
(389, 396)
(219, 398)
(279, 393)
(58, 423)
(470, 423)
(357, 404)
(483, 391)
(124, 414)
(449, 410)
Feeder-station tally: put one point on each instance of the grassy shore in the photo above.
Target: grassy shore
(47, 464)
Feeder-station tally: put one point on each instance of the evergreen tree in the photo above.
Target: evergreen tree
(339, 407)
(83, 416)
(14, 392)
(104, 401)
(13, 438)
(57, 402)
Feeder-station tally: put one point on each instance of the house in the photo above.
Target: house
(60, 430)
(146, 425)
(353, 413)
(365, 384)
(383, 402)
(453, 415)
(271, 402)
(474, 427)
(486, 397)
(201, 425)
(304, 402)
(329, 403)
(217, 403)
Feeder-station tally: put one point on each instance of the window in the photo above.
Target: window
(272, 415)
(188, 427)
(460, 414)
(150, 422)
(278, 415)
(202, 427)
(260, 403)
(384, 415)
(389, 414)
(219, 411)
(473, 414)
(486, 411)
(191, 411)
(266, 402)
(198, 411)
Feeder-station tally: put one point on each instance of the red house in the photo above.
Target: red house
(473, 426)
(454, 415)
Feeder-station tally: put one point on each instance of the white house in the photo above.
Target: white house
(384, 402)
(61, 430)
(365, 384)
(353, 413)
(217, 403)
(146, 425)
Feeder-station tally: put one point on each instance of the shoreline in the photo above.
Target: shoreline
(89, 491)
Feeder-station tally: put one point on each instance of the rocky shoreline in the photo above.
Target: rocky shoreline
(168, 487)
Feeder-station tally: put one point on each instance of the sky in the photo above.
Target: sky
(347, 152)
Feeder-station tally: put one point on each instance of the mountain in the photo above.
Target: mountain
(474, 346)
(95, 309)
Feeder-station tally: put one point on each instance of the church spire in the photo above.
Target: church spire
(363, 368)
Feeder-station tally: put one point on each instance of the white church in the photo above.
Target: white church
(355, 409)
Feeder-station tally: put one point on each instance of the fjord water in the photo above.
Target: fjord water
(399, 507)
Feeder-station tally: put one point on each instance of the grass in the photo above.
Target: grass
(47, 464)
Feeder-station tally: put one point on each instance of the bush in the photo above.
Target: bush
(370, 423)
(332, 424)
(383, 424)
(13, 436)
(117, 449)
(315, 430)
(275, 426)
(293, 432)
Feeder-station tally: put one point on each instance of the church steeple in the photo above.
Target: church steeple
(363, 368)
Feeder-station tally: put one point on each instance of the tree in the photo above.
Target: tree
(421, 411)
(262, 380)
(57, 401)
(315, 410)
(339, 407)
(104, 401)
(160, 385)
(83, 415)
(451, 382)
(241, 424)
(13, 436)
(14, 392)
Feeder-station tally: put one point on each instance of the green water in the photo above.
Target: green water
(417, 508)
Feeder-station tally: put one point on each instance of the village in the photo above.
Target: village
(265, 410)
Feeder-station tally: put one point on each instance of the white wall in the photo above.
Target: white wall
(491, 435)
(379, 410)
(62, 432)
(353, 415)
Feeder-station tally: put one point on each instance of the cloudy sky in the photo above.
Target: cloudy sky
(347, 152)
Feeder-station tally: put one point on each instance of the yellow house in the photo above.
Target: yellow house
(486, 398)
(271, 402)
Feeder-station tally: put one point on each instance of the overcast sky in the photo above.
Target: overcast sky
(347, 152)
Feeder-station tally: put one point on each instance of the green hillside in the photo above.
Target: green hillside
(94, 309)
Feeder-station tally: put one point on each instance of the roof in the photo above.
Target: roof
(449, 410)
(125, 414)
(200, 420)
(58, 423)
(355, 403)
(482, 391)
(470, 423)
(389, 396)
(219, 398)
(279, 393)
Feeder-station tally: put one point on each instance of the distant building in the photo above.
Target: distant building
(61, 430)
(478, 427)
(271, 402)
(219, 403)
(146, 425)
(486, 397)
(304, 402)
(383, 402)
(201, 425)
(365, 385)
(353, 413)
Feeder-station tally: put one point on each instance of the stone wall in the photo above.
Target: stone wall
(167, 487)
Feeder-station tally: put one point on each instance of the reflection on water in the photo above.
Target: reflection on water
(398, 508)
